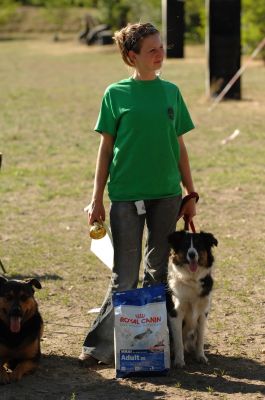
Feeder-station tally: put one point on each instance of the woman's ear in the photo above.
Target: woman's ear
(132, 56)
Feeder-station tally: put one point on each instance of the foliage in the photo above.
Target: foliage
(253, 27)
(150, 11)
(118, 13)
(252, 20)
(7, 9)
(56, 13)
(195, 20)
(59, 3)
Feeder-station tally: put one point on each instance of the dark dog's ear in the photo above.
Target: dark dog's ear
(34, 282)
(3, 280)
(175, 238)
(210, 239)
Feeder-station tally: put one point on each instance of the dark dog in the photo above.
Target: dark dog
(21, 328)
(190, 284)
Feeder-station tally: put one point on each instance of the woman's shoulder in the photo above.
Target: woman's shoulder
(169, 85)
(117, 86)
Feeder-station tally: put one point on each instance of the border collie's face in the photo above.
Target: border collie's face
(192, 249)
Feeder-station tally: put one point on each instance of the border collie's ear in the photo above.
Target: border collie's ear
(34, 282)
(174, 239)
(210, 239)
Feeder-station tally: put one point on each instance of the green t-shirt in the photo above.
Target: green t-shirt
(145, 117)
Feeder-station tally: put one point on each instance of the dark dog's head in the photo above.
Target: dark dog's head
(192, 250)
(17, 303)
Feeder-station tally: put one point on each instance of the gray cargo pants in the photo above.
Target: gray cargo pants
(127, 230)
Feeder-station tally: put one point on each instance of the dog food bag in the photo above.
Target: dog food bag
(140, 332)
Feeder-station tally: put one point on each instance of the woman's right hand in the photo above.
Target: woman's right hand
(95, 211)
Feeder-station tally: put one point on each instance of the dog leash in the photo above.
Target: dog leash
(188, 224)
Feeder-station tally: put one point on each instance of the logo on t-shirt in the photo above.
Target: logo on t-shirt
(170, 112)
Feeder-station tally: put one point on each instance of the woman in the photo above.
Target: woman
(142, 121)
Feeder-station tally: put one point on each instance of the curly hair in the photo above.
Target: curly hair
(130, 38)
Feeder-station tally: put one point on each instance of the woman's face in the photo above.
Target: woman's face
(151, 56)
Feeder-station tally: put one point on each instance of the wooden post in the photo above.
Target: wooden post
(223, 46)
(173, 27)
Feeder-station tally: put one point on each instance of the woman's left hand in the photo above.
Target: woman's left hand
(189, 210)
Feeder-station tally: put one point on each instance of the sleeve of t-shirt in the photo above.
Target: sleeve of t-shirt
(183, 122)
(106, 121)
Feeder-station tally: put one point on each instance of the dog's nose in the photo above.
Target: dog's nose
(192, 255)
(15, 311)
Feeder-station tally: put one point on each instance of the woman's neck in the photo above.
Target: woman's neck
(144, 76)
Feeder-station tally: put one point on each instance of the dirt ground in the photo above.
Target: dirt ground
(60, 377)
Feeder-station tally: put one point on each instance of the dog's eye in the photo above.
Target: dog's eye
(23, 297)
(9, 297)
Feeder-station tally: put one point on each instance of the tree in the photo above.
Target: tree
(117, 13)
(57, 12)
(7, 10)
(253, 26)
(195, 20)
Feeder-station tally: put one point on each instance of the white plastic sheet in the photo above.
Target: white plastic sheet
(103, 248)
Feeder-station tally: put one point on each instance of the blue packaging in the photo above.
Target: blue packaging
(140, 332)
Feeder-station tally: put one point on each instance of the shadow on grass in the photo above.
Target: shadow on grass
(62, 378)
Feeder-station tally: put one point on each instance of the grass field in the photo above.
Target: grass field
(50, 95)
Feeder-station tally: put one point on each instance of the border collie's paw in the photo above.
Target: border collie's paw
(178, 363)
(201, 358)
